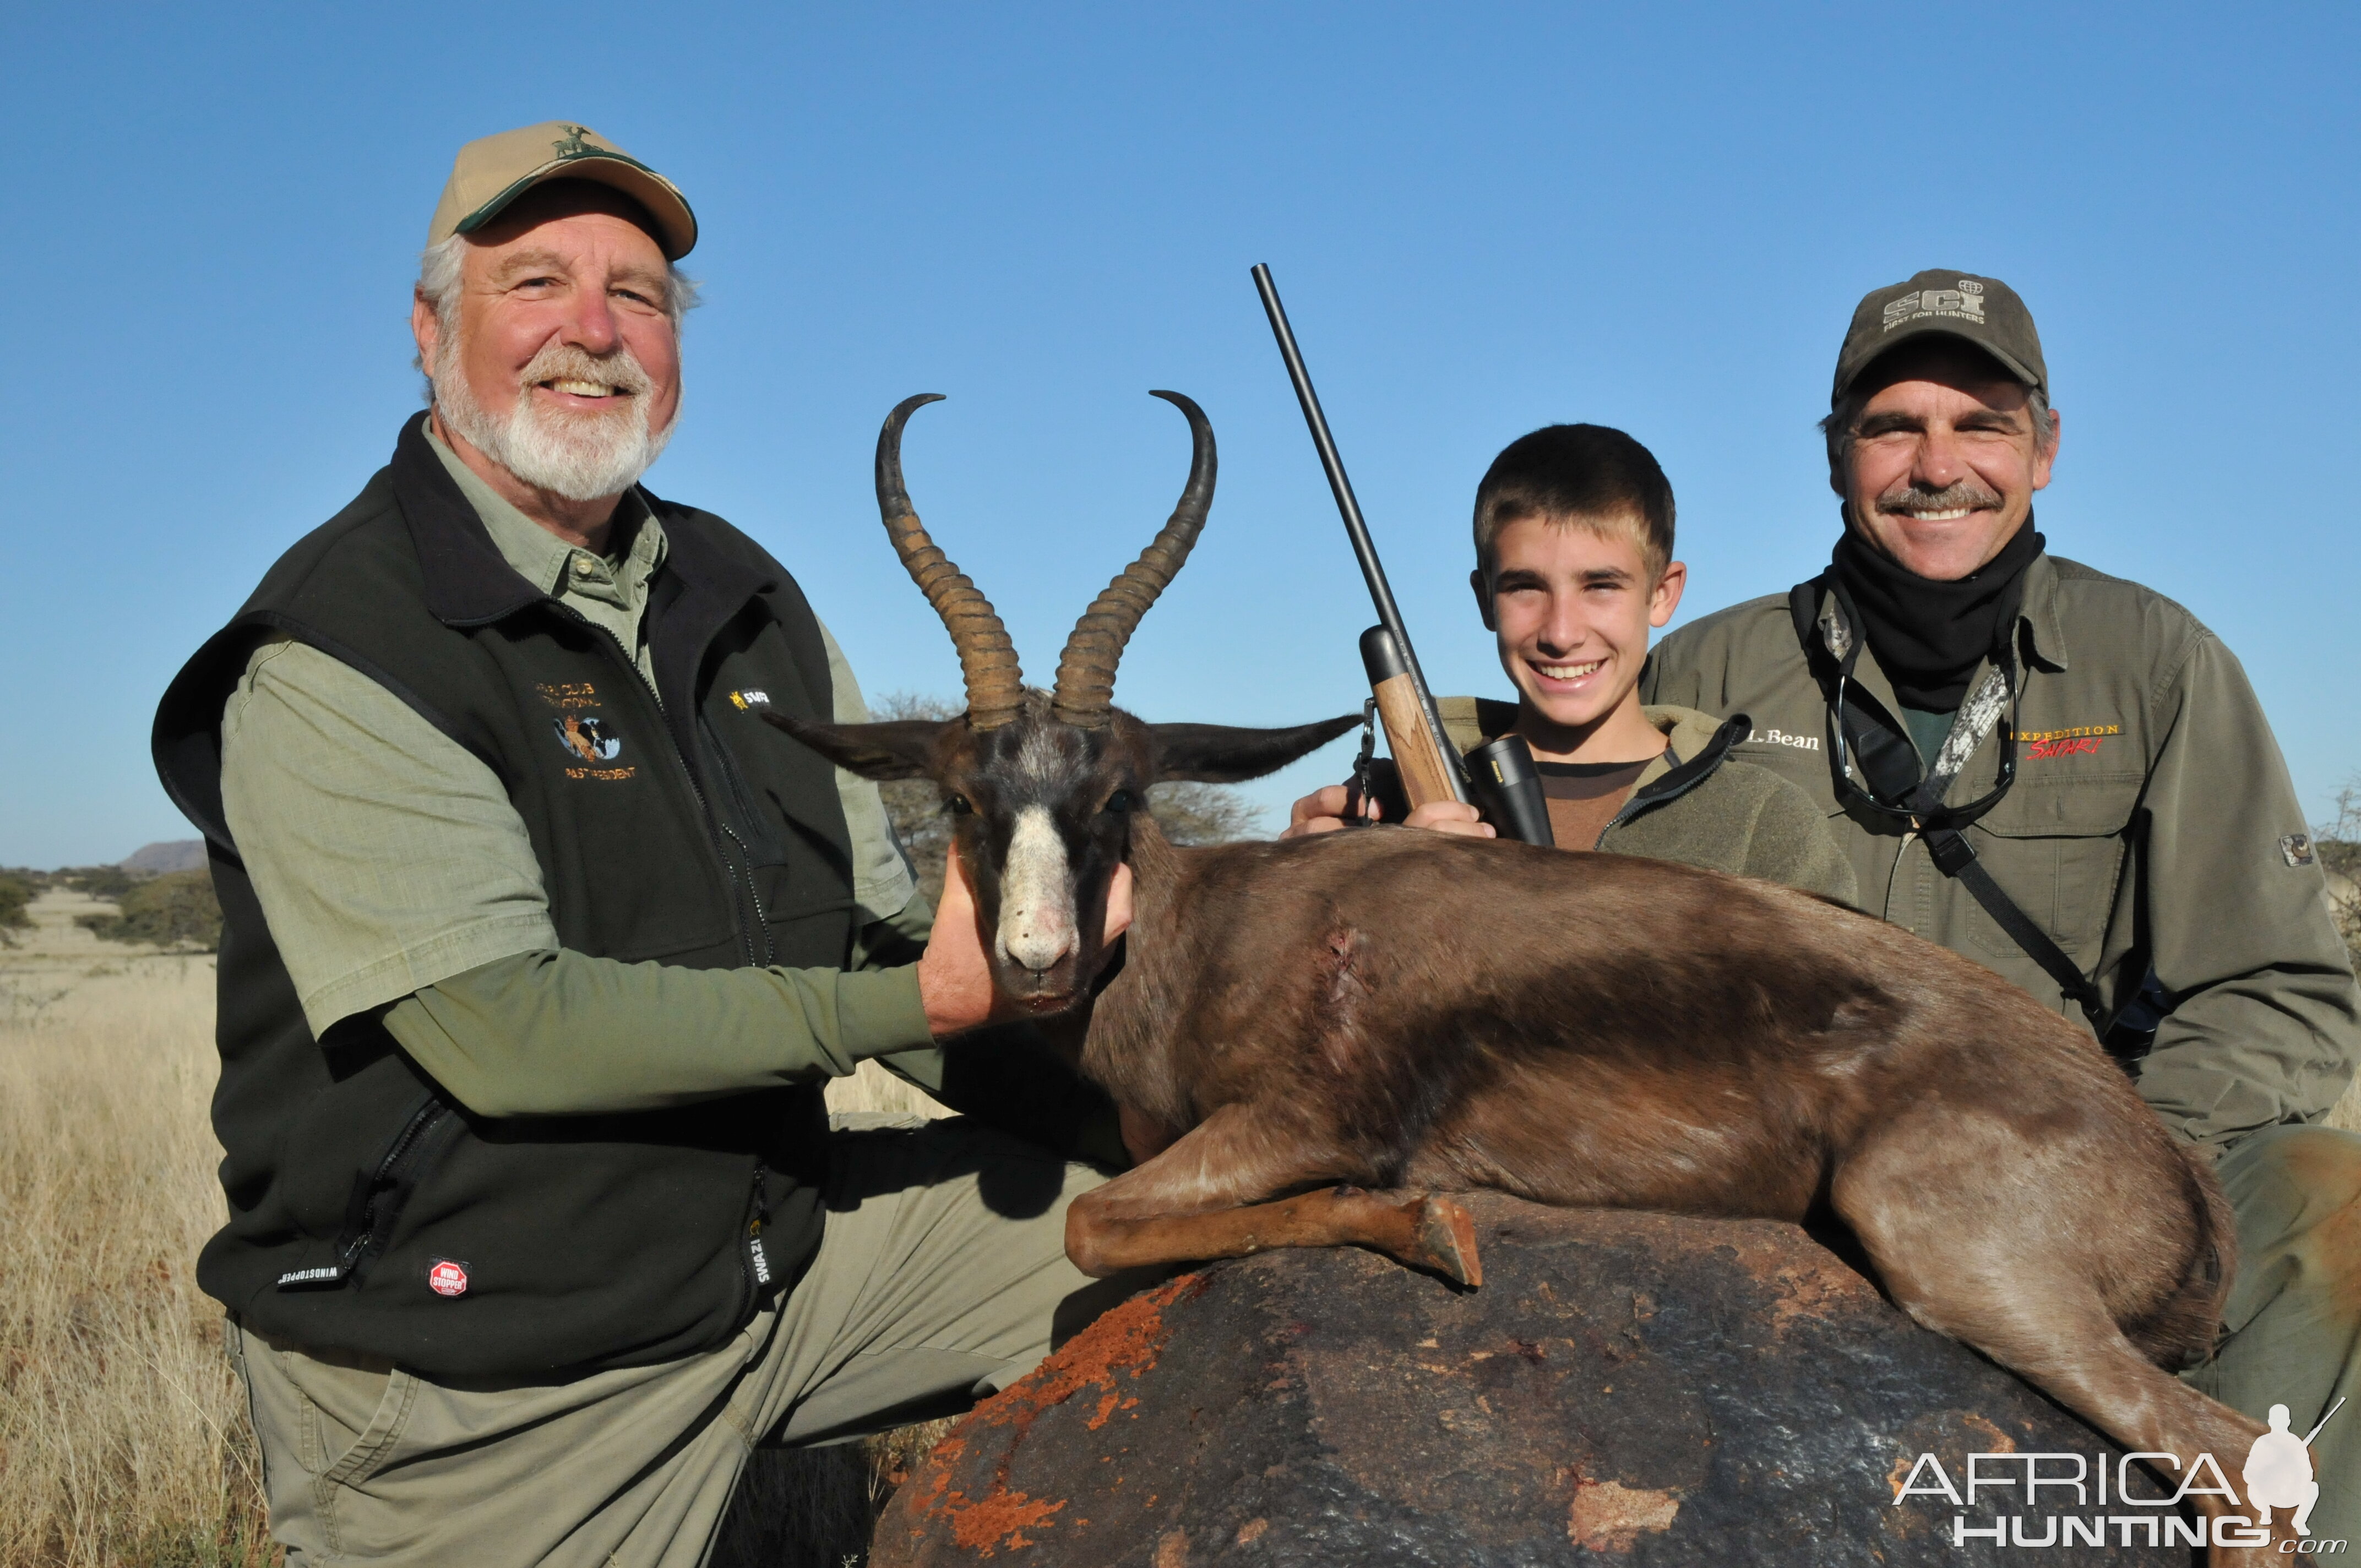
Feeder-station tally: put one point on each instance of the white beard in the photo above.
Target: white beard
(581, 456)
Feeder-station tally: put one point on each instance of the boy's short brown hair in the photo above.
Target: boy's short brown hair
(1585, 475)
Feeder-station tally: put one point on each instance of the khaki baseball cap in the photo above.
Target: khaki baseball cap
(492, 172)
(1984, 310)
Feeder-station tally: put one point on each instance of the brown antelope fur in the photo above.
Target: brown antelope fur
(1382, 1008)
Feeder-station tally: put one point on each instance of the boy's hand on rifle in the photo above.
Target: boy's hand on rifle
(1322, 811)
(1451, 817)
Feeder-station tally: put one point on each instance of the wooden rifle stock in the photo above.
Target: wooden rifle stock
(1418, 750)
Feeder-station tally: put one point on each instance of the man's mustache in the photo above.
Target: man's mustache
(565, 362)
(1959, 494)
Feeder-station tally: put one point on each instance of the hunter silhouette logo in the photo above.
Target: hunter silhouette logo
(571, 145)
(2278, 1473)
(588, 737)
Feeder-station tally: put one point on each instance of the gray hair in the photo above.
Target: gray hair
(1843, 419)
(438, 284)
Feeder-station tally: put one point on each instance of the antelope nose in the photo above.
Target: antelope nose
(1039, 943)
(1037, 911)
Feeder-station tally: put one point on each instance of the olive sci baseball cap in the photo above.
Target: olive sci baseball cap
(492, 172)
(1982, 311)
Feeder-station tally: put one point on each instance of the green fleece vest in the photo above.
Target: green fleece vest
(368, 1211)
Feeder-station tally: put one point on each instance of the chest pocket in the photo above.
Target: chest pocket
(2059, 851)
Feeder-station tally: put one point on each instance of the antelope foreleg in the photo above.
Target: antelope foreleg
(1202, 1199)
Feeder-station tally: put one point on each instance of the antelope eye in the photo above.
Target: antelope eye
(1123, 800)
(958, 806)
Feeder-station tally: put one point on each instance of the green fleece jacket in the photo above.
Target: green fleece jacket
(1695, 806)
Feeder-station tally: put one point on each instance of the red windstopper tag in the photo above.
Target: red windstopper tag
(447, 1279)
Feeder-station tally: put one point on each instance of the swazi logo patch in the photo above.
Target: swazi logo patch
(753, 696)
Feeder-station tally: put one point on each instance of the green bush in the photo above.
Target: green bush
(176, 909)
(98, 882)
(16, 891)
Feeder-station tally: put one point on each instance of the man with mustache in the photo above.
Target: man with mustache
(540, 944)
(2067, 778)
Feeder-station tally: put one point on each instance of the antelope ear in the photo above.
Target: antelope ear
(901, 750)
(1221, 753)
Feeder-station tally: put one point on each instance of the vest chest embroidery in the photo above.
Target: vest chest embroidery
(585, 736)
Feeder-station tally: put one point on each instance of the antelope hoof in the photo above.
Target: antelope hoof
(1446, 1240)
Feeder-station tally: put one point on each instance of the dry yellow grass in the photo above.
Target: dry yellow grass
(123, 1432)
(123, 1435)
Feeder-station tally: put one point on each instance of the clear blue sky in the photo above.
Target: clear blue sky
(1484, 218)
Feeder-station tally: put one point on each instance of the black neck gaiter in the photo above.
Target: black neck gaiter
(1929, 635)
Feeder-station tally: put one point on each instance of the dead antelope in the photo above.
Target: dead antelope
(1391, 1009)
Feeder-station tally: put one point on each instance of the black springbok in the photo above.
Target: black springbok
(1390, 1009)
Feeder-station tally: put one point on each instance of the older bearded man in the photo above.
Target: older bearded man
(2065, 777)
(540, 944)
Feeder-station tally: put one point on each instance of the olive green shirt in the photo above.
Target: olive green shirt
(2152, 823)
(391, 868)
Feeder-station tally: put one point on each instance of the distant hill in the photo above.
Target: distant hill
(180, 855)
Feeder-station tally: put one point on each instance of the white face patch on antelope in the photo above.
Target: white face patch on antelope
(1036, 893)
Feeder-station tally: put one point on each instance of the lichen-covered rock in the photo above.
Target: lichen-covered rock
(1625, 1388)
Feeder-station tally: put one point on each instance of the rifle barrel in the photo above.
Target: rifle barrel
(1356, 527)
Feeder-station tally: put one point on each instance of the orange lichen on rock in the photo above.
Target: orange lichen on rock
(999, 1519)
(1608, 1516)
(1127, 1339)
(2001, 1442)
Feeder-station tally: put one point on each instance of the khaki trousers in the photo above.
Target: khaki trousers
(2294, 1311)
(941, 1275)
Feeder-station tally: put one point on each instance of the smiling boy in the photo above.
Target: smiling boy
(1573, 545)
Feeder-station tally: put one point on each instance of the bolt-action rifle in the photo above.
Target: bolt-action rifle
(1499, 776)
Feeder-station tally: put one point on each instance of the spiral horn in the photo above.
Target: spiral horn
(1085, 690)
(995, 687)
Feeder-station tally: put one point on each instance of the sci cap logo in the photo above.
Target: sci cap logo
(753, 696)
(589, 739)
(2296, 849)
(448, 1276)
(1966, 302)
